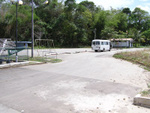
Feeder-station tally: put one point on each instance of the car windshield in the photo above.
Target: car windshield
(93, 43)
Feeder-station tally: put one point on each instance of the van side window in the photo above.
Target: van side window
(97, 43)
(106, 43)
(102, 43)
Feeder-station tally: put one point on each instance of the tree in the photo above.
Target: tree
(100, 22)
(1, 1)
(3, 24)
(84, 23)
(138, 18)
(122, 22)
(146, 35)
(52, 17)
(24, 22)
(136, 35)
(109, 33)
(146, 24)
(127, 11)
(89, 5)
(70, 5)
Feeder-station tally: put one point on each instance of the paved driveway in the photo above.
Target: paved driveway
(86, 82)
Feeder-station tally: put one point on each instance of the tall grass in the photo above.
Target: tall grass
(141, 57)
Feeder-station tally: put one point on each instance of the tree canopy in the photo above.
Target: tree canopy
(72, 24)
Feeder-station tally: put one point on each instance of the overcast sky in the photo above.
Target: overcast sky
(106, 4)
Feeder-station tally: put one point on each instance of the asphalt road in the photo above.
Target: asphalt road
(85, 82)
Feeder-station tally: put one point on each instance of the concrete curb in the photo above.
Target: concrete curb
(74, 52)
(17, 64)
(141, 101)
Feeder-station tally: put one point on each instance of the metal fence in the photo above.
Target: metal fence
(9, 54)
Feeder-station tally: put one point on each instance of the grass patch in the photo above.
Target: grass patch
(146, 93)
(55, 60)
(140, 57)
(38, 59)
(45, 60)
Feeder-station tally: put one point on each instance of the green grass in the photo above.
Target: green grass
(144, 46)
(145, 93)
(55, 60)
(45, 60)
(138, 57)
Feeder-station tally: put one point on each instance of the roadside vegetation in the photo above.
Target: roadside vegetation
(45, 60)
(140, 57)
(146, 93)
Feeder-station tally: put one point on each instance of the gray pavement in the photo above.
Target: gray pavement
(85, 82)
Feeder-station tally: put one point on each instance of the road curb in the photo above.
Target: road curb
(141, 101)
(74, 52)
(17, 64)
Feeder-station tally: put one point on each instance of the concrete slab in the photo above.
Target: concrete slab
(141, 101)
(4, 109)
(15, 64)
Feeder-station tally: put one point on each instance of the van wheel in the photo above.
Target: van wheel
(96, 50)
(103, 49)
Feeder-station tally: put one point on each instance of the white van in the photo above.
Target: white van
(101, 45)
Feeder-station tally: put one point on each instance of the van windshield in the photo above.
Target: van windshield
(96, 43)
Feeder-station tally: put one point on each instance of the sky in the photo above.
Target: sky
(132, 4)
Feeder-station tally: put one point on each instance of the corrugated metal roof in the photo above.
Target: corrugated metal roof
(122, 39)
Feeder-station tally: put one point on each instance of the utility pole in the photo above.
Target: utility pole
(32, 49)
(16, 30)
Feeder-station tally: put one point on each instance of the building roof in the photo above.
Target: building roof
(122, 39)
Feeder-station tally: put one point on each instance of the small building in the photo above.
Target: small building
(122, 42)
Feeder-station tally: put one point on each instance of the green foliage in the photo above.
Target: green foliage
(1, 1)
(45, 60)
(100, 22)
(126, 11)
(71, 24)
(109, 33)
(89, 5)
(139, 57)
(138, 17)
(24, 22)
(146, 93)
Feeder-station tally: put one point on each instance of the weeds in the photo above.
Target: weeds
(45, 60)
(139, 57)
(146, 93)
